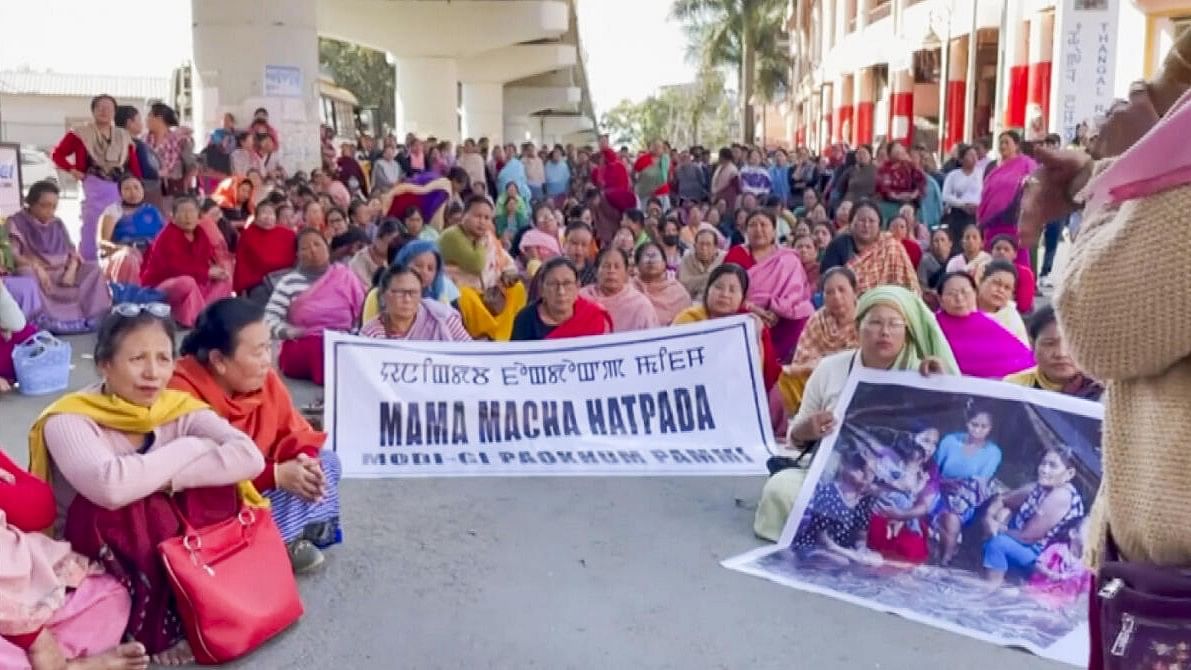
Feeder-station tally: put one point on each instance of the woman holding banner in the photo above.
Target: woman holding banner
(897, 332)
(561, 312)
(406, 314)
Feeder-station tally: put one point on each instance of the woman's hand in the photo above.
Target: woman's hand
(509, 278)
(797, 370)
(814, 427)
(217, 273)
(43, 278)
(1047, 193)
(931, 365)
(296, 477)
(1127, 122)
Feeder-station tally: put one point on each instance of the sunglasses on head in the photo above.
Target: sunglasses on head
(131, 309)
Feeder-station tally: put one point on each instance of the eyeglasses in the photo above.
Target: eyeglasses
(878, 326)
(408, 294)
(560, 286)
(132, 309)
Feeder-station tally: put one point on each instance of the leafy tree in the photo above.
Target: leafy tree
(365, 73)
(743, 36)
(697, 113)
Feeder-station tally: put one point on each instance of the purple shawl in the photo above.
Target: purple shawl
(983, 347)
(50, 242)
(1001, 185)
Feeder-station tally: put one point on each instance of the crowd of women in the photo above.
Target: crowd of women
(872, 258)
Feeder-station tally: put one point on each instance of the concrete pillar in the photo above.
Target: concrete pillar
(845, 111)
(428, 98)
(827, 132)
(483, 111)
(518, 128)
(260, 55)
(956, 92)
(1041, 53)
(1018, 73)
(865, 107)
(901, 106)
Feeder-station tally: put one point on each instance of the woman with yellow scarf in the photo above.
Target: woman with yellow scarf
(490, 289)
(116, 452)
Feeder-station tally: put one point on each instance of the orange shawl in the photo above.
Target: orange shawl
(885, 262)
(268, 416)
(824, 335)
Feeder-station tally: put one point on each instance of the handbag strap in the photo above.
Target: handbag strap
(187, 527)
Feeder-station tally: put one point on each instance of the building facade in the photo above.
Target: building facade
(941, 72)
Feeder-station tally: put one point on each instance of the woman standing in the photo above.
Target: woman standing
(778, 289)
(561, 312)
(754, 177)
(982, 347)
(961, 193)
(227, 362)
(73, 293)
(127, 455)
(725, 181)
(628, 307)
(96, 155)
(174, 149)
(405, 314)
(665, 293)
(126, 229)
(999, 199)
(182, 265)
(896, 332)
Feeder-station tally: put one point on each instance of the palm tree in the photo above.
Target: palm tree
(742, 35)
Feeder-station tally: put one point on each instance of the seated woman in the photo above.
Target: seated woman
(1025, 521)
(994, 297)
(127, 455)
(318, 295)
(264, 247)
(235, 198)
(705, 255)
(967, 462)
(490, 290)
(540, 243)
(876, 259)
(897, 331)
(1005, 248)
(405, 314)
(227, 362)
(58, 610)
(425, 260)
(73, 293)
(126, 229)
(972, 257)
(778, 289)
(1055, 369)
(667, 295)
(374, 257)
(415, 227)
(934, 262)
(182, 264)
(560, 312)
(14, 329)
(830, 330)
(899, 229)
(982, 347)
(724, 296)
(628, 307)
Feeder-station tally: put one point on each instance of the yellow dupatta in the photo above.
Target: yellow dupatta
(116, 413)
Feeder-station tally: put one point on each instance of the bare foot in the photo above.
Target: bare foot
(129, 656)
(179, 654)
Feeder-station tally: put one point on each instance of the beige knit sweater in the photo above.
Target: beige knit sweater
(1124, 306)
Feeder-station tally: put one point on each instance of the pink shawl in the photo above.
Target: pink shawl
(667, 295)
(1160, 160)
(630, 309)
(331, 303)
(544, 241)
(35, 572)
(779, 284)
(1000, 188)
(983, 347)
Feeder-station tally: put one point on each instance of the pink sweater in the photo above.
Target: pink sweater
(200, 449)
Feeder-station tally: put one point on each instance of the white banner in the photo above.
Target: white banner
(10, 179)
(1085, 57)
(684, 400)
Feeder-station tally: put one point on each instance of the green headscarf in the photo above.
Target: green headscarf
(924, 338)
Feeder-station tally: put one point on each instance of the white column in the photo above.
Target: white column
(428, 98)
(483, 110)
(236, 46)
(518, 127)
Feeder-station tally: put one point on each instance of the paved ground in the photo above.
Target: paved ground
(565, 573)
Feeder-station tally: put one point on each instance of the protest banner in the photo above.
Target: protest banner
(925, 502)
(685, 400)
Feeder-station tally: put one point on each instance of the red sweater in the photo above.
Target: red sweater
(259, 252)
(29, 503)
(172, 255)
(71, 154)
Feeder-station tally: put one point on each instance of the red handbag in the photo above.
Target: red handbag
(233, 584)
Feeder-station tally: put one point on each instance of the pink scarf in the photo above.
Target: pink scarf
(630, 309)
(1001, 186)
(1160, 160)
(331, 303)
(983, 347)
(544, 241)
(667, 296)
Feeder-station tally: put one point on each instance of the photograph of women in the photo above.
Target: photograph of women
(957, 502)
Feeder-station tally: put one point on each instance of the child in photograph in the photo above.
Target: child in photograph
(835, 522)
(909, 488)
(1059, 576)
(1040, 511)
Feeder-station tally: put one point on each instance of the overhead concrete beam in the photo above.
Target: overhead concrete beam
(521, 100)
(517, 61)
(441, 28)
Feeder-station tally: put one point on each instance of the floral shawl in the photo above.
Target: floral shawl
(825, 334)
(885, 262)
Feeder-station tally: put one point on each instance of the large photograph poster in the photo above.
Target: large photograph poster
(957, 502)
(684, 400)
(10, 179)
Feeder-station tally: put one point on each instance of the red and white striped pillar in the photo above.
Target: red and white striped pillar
(956, 90)
(826, 116)
(844, 110)
(1041, 53)
(1018, 71)
(865, 107)
(901, 106)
